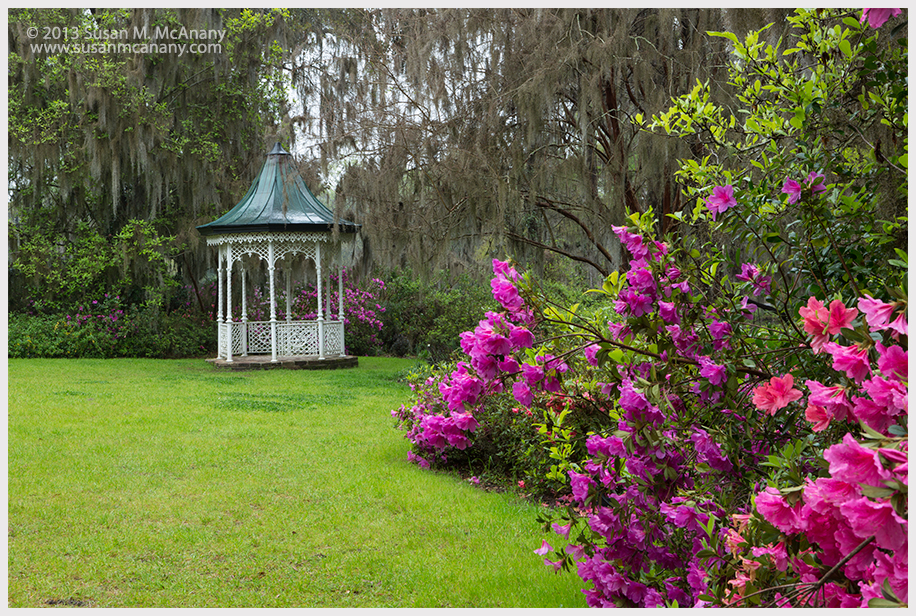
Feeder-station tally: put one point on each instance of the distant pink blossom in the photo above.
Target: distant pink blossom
(878, 17)
(777, 394)
(721, 199)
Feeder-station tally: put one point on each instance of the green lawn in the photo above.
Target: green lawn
(168, 484)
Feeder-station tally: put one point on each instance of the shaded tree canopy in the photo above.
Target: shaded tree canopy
(99, 136)
(454, 135)
(479, 132)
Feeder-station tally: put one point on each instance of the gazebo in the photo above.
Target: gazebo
(280, 222)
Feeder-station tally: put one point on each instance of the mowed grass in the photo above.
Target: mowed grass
(148, 483)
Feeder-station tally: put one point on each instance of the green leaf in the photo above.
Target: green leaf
(846, 48)
(729, 35)
(882, 603)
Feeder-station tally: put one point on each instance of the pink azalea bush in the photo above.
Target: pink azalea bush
(748, 440)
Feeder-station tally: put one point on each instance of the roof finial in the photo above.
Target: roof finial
(278, 149)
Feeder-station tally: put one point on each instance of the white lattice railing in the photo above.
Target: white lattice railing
(293, 338)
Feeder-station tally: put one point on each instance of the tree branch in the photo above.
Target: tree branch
(569, 255)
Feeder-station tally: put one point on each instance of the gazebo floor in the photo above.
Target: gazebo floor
(295, 362)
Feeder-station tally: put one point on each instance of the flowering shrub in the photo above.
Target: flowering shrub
(853, 521)
(362, 310)
(735, 458)
(108, 327)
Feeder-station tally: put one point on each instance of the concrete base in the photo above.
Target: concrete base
(297, 362)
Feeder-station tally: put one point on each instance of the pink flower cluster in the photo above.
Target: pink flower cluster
(877, 17)
(861, 507)
(794, 189)
(436, 423)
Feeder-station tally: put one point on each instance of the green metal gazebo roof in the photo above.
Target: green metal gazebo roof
(278, 200)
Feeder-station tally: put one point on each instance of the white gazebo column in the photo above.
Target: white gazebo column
(320, 314)
(244, 314)
(327, 297)
(340, 292)
(340, 314)
(219, 301)
(289, 275)
(273, 303)
(229, 324)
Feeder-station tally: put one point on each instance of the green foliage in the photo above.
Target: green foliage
(63, 271)
(833, 103)
(426, 318)
(110, 328)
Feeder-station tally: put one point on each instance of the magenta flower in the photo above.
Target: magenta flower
(721, 199)
(815, 317)
(851, 462)
(777, 394)
(502, 268)
(716, 374)
(591, 354)
(850, 359)
(544, 549)
(892, 361)
(562, 530)
(839, 317)
(532, 374)
(668, 312)
(522, 393)
(751, 273)
(793, 189)
(825, 494)
(576, 551)
(519, 337)
(833, 398)
(465, 421)
(632, 242)
(890, 394)
(819, 416)
(580, 484)
(508, 365)
(867, 518)
(506, 294)
(776, 552)
(878, 17)
(810, 182)
(775, 510)
(877, 313)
